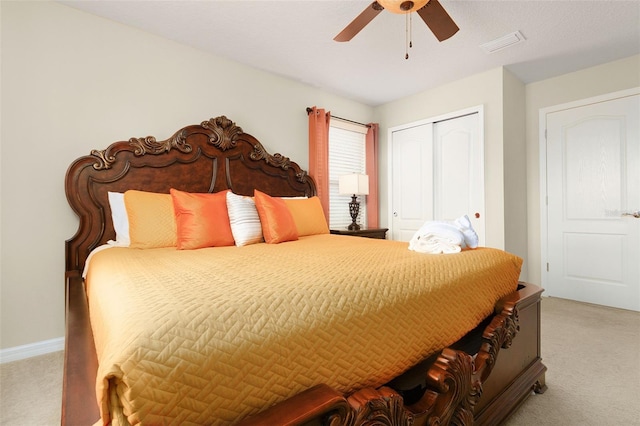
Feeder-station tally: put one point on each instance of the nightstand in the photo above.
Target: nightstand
(379, 233)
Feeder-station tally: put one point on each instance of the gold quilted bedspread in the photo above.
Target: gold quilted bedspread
(210, 336)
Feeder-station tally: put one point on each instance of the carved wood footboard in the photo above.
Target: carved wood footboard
(453, 383)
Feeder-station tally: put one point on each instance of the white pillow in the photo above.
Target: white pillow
(244, 220)
(120, 219)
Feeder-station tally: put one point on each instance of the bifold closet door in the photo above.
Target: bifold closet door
(437, 174)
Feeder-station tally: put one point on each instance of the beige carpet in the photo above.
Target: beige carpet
(31, 391)
(592, 353)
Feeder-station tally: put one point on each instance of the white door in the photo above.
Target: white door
(437, 174)
(458, 166)
(593, 180)
(412, 180)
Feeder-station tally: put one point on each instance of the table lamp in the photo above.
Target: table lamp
(354, 184)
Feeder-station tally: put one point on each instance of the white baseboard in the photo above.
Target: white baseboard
(33, 349)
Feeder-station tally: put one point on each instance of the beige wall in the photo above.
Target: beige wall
(515, 161)
(72, 82)
(480, 89)
(599, 80)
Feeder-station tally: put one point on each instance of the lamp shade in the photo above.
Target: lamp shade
(353, 184)
(402, 6)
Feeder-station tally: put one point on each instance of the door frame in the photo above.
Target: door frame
(478, 109)
(542, 138)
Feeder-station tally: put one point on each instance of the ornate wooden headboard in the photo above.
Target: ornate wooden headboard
(212, 156)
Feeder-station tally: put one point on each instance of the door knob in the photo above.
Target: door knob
(635, 214)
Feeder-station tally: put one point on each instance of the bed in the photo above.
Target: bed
(316, 329)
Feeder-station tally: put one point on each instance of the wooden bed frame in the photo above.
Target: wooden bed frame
(473, 381)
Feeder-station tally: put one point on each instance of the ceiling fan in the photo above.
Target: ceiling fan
(431, 12)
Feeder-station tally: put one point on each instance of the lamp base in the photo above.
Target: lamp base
(354, 209)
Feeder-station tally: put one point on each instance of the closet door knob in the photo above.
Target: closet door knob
(477, 215)
(635, 214)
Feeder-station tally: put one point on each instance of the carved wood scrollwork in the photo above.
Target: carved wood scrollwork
(149, 145)
(225, 132)
(276, 160)
(301, 176)
(499, 334)
(508, 328)
(374, 407)
(104, 161)
(452, 378)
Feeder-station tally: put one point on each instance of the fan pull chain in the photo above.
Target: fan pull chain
(409, 33)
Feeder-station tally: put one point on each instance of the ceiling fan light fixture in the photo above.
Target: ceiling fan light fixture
(430, 11)
(402, 6)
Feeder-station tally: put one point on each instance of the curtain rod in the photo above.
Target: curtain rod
(340, 118)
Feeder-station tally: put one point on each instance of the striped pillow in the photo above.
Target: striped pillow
(244, 219)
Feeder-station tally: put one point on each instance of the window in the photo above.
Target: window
(347, 154)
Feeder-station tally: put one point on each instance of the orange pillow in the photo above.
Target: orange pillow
(276, 220)
(308, 215)
(202, 219)
(152, 222)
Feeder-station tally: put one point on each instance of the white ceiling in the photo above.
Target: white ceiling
(294, 38)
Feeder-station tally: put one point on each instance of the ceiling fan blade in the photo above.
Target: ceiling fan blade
(438, 20)
(360, 22)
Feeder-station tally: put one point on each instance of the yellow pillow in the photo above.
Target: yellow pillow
(308, 215)
(151, 219)
(202, 220)
(276, 220)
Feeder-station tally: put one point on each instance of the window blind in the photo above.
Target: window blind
(347, 154)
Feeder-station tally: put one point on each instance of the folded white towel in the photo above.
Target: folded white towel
(438, 237)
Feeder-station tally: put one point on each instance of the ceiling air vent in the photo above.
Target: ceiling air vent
(503, 42)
